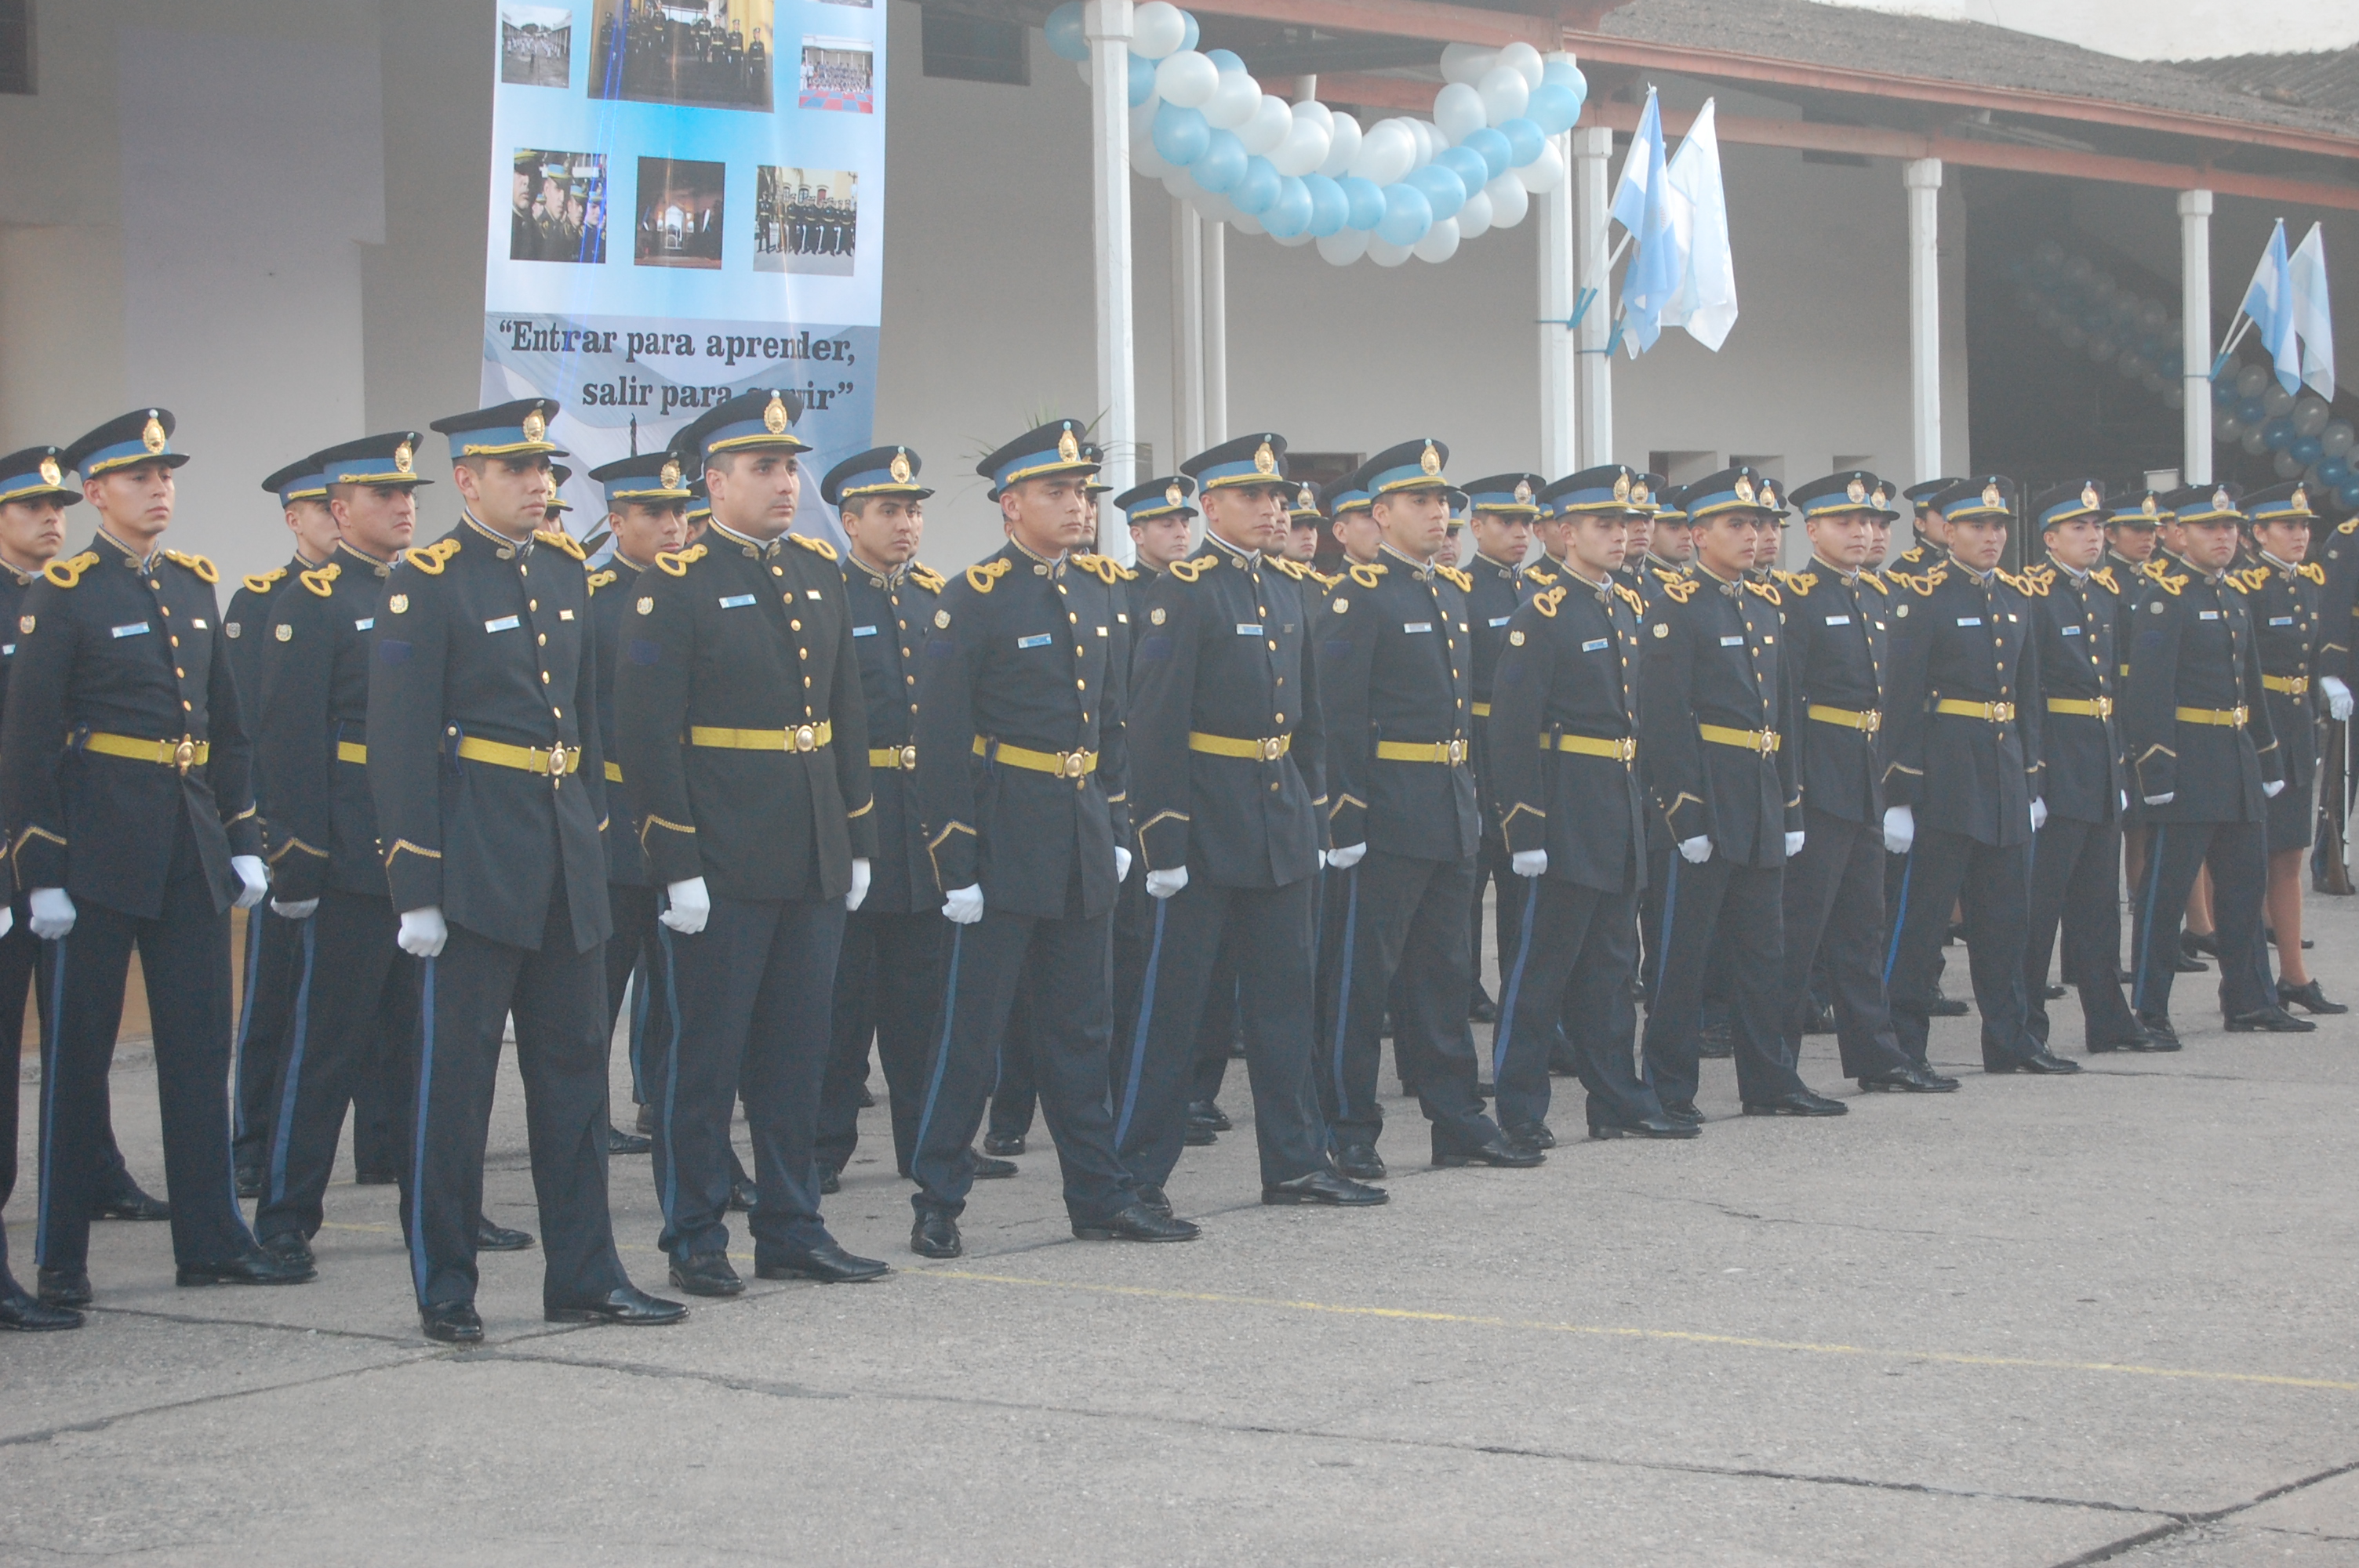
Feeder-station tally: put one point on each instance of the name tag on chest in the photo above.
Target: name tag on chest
(1732, 642)
(365, 623)
(2070, 631)
(863, 630)
(1970, 620)
(504, 623)
(1594, 644)
(1838, 619)
(2207, 615)
(135, 630)
(736, 601)
(1406, 626)
(1038, 642)
(1245, 628)
(1499, 621)
(2280, 619)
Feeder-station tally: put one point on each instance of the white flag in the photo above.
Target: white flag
(1706, 302)
(2313, 320)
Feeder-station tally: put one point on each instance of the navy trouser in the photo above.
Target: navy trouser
(355, 1024)
(1064, 965)
(1567, 977)
(1492, 868)
(1395, 917)
(1720, 912)
(1262, 937)
(20, 954)
(1223, 1023)
(559, 999)
(2238, 858)
(2076, 878)
(1834, 921)
(1993, 885)
(886, 981)
(631, 950)
(273, 955)
(184, 955)
(745, 1005)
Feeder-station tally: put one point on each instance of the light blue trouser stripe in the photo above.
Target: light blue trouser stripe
(1344, 990)
(1663, 942)
(51, 1029)
(417, 1268)
(2145, 926)
(1499, 1039)
(294, 1068)
(942, 1046)
(254, 929)
(1138, 1036)
(670, 1192)
(1899, 915)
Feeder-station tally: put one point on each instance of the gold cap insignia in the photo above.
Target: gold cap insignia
(152, 436)
(670, 477)
(398, 604)
(773, 416)
(1265, 461)
(2089, 498)
(1431, 460)
(1880, 499)
(1524, 492)
(1991, 496)
(1640, 493)
(402, 458)
(2220, 502)
(1173, 495)
(1769, 494)
(535, 426)
(2300, 500)
(1621, 487)
(1856, 490)
(1745, 492)
(51, 472)
(1304, 500)
(2148, 506)
(1067, 448)
(900, 469)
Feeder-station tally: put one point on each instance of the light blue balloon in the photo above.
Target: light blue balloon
(1552, 109)
(1495, 151)
(1256, 191)
(1443, 191)
(1181, 135)
(1331, 209)
(1408, 214)
(1066, 40)
(1187, 40)
(1221, 163)
(1290, 214)
(1561, 73)
(1468, 165)
(1524, 140)
(1142, 80)
(1225, 60)
(1364, 201)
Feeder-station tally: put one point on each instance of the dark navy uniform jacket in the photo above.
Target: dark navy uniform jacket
(312, 736)
(1022, 654)
(1491, 602)
(733, 635)
(1712, 657)
(2284, 604)
(483, 639)
(891, 614)
(1222, 656)
(109, 643)
(2130, 584)
(613, 592)
(2081, 774)
(1957, 638)
(1835, 633)
(246, 622)
(13, 584)
(1396, 669)
(2196, 650)
(2338, 602)
(1570, 667)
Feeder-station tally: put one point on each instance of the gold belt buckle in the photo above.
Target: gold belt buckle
(184, 755)
(804, 737)
(1627, 748)
(1272, 748)
(2002, 712)
(557, 761)
(1872, 720)
(2104, 708)
(2241, 714)
(1767, 740)
(1072, 763)
(1455, 751)
(908, 756)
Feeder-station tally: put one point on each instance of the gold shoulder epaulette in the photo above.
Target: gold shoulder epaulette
(675, 563)
(2170, 583)
(1323, 580)
(1630, 596)
(1105, 568)
(1800, 583)
(1539, 575)
(2314, 571)
(431, 558)
(1367, 574)
(816, 546)
(926, 578)
(2105, 575)
(1923, 585)
(982, 574)
(2021, 583)
(2347, 525)
(1546, 600)
(1668, 577)
(207, 573)
(68, 572)
(1876, 581)
(559, 539)
(1294, 569)
(261, 582)
(1452, 574)
(322, 581)
(1189, 571)
(1767, 590)
(603, 578)
(1678, 587)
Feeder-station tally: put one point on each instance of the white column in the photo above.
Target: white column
(1593, 372)
(1216, 335)
(1559, 446)
(1107, 24)
(1187, 333)
(2195, 332)
(1923, 178)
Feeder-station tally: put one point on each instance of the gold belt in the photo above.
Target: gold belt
(2083, 706)
(357, 752)
(902, 757)
(1623, 748)
(801, 737)
(1995, 712)
(1267, 749)
(551, 762)
(1450, 753)
(1765, 741)
(2230, 718)
(2292, 686)
(1075, 765)
(614, 773)
(1482, 710)
(1869, 719)
(184, 753)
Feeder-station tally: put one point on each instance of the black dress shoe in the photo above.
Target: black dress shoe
(706, 1274)
(490, 1237)
(1483, 1090)
(1154, 1197)
(2185, 963)
(827, 1264)
(2204, 942)
(451, 1322)
(290, 1248)
(624, 1304)
(1821, 1022)
(1325, 1188)
(1715, 1042)
(249, 1179)
(1359, 1162)
(1481, 1010)
(2308, 995)
(742, 1193)
(646, 1121)
(994, 1143)
(1944, 1006)
(621, 1142)
(2038, 1062)
(866, 1099)
(1801, 1102)
(29, 1314)
(1497, 1151)
(2269, 1020)
(1210, 1114)
(1648, 1126)
(1682, 1111)
(2160, 1035)
(2055, 993)
(1530, 1134)
(987, 1169)
(831, 1181)
(1198, 1134)
(2138, 1040)
(375, 1178)
(63, 1287)
(1910, 1079)
(131, 1204)
(252, 1267)
(935, 1235)
(1136, 1222)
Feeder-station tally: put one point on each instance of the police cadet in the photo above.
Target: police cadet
(1963, 741)
(1351, 519)
(1504, 508)
(1303, 522)
(2285, 590)
(890, 968)
(1021, 778)
(486, 770)
(1836, 620)
(1226, 754)
(139, 831)
(2076, 865)
(1564, 782)
(1396, 676)
(1716, 710)
(1931, 547)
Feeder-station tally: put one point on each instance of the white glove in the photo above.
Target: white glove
(1529, 862)
(7, 920)
(2165, 798)
(255, 875)
(691, 906)
(299, 910)
(1163, 884)
(1899, 828)
(2338, 697)
(859, 892)
(1793, 845)
(2274, 788)
(53, 913)
(1122, 865)
(1695, 851)
(2039, 814)
(1343, 856)
(422, 933)
(964, 906)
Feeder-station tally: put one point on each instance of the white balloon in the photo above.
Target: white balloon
(1509, 200)
(1504, 93)
(1387, 152)
(1430, 140)
(1342, 148)
(1273, 118)
(1157, 29)
(1305, 148)
(1441, 241)
(1344, 247)
(1291, 241)
(1473, 220)
(1544, 173)
(1526, 60)
(1458, 110)
(1466, 62)
(1186, 78)
(1244, 222)
(1384, 253)
(1234, 101)
(1314, 109)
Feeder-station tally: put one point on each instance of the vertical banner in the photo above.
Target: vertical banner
(686, 200)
